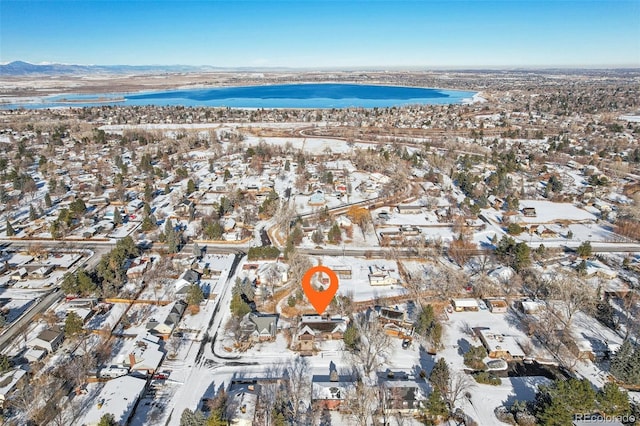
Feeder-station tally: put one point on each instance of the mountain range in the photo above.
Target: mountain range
(21, 68)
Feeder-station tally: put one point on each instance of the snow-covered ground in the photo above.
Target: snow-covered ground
(358, 285)
(485, 398)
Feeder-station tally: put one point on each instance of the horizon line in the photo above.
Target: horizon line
(354, 67)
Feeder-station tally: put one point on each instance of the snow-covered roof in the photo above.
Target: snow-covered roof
(118, 397)
(547, 212)
(9, 380)
(465, 303)
(322, 388)
(502, 343)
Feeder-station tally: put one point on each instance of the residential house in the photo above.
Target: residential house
(186, 279)
(9, 382)
(49, 340)
(34, 354)
(184, 208)
(19, 274)
(145, 355)
(495, 202)
(313, 328)
(172, 314)
(381, 276)
(500, 345)
(460, 305)
(317, 199)
(259, 327)
(329, 392)
(409, 209)
(397, 316)
(401, 393)
(119, 397)
(272, 273)
(137, 268)
(242, 402)
(43, 271)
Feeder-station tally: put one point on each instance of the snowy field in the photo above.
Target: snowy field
(358, 285)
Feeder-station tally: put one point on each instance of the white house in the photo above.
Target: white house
(243, 400)
(381, 276)
(49, 340)
(118, 397)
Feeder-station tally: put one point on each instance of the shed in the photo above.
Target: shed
(497, 306)
(465, 305)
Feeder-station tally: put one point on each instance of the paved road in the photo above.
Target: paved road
(40, 306)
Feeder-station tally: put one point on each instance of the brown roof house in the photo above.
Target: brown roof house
(401, 393)
(49, 340)
(314, 328)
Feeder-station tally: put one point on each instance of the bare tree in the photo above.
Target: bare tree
(574, 295)
(459, 384)
(373, 349)
(361, 401)
(297, 388)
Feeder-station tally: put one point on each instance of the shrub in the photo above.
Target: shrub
(473, 358)
(487, 378)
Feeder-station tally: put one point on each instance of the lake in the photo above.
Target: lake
(274, 96)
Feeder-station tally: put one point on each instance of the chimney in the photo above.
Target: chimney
(132, 359)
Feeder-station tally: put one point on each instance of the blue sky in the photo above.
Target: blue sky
(315, 34)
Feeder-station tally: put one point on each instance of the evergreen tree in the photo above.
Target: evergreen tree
(194, 295)
(32, 213)
(107, 419)
(171, 237)
(9, 229)
(191, 186)
(5, 364)
(436, 405)
(335, 234)
(190, 418)
(239, 307)
(621, 362)
(47, 200)
(117, 217)
(351, 338)
(317, 236)
(148, 192)
(86, 286)
(558, 402)
(296, 235)
(612, 401)
(584, 250)
(72, 325)
(216, 418)
(474, 357)
(439, 377)
(148, 223)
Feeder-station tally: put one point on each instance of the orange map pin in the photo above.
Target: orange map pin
(320, 299)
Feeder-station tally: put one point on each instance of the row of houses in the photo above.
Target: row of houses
(399, 392)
